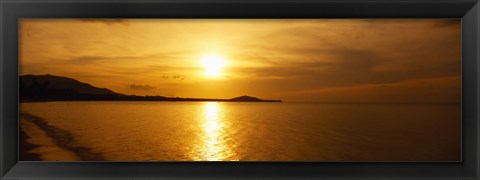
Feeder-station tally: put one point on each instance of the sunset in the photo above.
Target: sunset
(213, 65)
(240, 90)
(293, 60)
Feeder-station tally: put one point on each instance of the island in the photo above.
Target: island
(48, 87)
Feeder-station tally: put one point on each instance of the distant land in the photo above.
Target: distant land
(56, 88)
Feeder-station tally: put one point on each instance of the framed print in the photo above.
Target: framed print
(91, 90)
(240, 89)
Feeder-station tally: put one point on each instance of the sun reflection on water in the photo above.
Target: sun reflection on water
(214, 146)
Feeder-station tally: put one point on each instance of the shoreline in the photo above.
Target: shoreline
(25, 148)
(59, 141)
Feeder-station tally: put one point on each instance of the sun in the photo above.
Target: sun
(213, 65)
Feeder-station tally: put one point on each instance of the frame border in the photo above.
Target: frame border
(12, 10)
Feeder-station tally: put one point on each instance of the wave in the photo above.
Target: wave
(63, 138)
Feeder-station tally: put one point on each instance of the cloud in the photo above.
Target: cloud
(357, 52)
(83, 60)
(433, 90)
(346, 66)
(447, 23)
(138, 87)
(106, 21)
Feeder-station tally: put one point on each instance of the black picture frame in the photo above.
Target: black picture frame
(467, 10)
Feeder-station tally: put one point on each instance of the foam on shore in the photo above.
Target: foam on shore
(46, 148)
(55, 144)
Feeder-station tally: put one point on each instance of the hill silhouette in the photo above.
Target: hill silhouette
(56, 88)
(58, 83)
(246, 98)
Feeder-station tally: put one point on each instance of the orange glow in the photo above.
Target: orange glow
(269, 58)
(214, 147)
(213, 65)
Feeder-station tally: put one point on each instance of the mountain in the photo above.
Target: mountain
(245, 98)
(62, 83)
(251, 99)
(56, 88)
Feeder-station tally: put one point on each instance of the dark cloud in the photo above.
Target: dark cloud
(349, 67)
(82, 60)
(106, 21)
(139, 87)
(447, 23)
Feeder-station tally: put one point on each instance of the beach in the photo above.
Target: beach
(35, 144)
(25, 148)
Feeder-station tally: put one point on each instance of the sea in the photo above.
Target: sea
(241, 131)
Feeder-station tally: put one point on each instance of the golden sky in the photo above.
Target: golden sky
(339, 60)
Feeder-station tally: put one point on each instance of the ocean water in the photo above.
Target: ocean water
(246, 131)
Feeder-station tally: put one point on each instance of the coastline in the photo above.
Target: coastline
(53, 143)
(25, 148)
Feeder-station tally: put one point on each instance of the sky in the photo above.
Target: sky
(304, 60)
